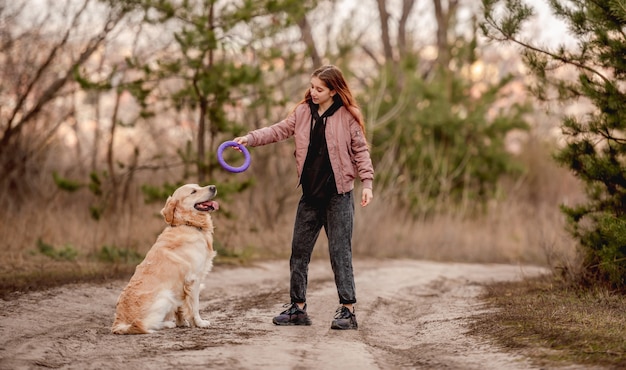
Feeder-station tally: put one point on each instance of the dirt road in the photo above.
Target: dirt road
(412, 314)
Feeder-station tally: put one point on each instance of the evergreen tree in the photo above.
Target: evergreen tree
(596, 142)
(445, 145)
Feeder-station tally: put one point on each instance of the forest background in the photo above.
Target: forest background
(107, 106)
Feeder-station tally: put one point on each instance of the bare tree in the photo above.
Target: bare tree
(37, 74)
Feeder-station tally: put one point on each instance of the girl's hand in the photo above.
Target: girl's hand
(243, 140)
(366, 197)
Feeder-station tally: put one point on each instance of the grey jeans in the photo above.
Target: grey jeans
(337, 218)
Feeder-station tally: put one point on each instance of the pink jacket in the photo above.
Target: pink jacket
(347, 147)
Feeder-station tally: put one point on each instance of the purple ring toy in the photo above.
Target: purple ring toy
(220, 158)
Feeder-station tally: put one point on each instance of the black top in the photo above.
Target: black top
(318, 180)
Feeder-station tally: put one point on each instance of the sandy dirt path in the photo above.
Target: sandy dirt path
(412, 314)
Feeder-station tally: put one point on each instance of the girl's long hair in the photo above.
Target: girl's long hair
(334, 80)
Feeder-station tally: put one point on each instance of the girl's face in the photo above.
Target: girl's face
(320, 93)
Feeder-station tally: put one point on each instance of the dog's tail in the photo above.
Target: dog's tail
(125, 328)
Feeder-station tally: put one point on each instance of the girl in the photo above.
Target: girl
(331, 151)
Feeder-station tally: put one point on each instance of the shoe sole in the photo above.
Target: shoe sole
(306, 323)
(350, 325)
(335, 327)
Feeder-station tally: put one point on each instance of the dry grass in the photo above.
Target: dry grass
(526, 226)
(511, 232)
(554, 323)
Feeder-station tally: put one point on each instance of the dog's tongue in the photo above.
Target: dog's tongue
(209, 205)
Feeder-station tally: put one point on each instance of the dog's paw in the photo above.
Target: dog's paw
(203, 323)
(169, 324)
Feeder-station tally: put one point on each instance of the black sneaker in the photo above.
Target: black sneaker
(294, 315)
(344, 319)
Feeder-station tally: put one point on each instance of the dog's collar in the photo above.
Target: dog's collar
(195, 227)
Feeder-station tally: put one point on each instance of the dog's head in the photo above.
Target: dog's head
(190, 205)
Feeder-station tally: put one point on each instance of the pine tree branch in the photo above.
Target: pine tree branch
(560, 58)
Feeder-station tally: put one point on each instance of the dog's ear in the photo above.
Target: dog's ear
(168, 211)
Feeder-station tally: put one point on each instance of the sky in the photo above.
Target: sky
(545, 29)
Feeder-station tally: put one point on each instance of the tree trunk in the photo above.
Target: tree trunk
(110, 151)
(202, 129)
(384, 27)
(307, 38)
(407, 7)
(444, 23)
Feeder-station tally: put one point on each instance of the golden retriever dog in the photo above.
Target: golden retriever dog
(164, 290)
